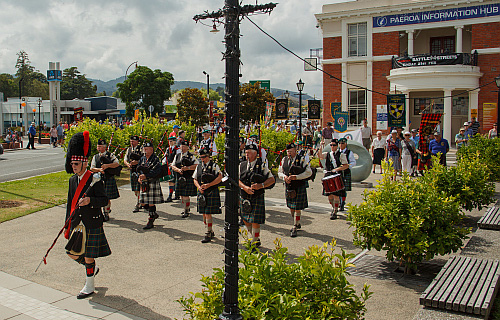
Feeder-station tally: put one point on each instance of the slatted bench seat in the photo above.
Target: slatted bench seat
(464, 284)
(491, 219)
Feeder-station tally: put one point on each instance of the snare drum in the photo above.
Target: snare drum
(333, 183)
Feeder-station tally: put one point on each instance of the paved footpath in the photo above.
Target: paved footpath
(149, 270)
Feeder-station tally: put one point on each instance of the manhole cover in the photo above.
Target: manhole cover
(10, 204)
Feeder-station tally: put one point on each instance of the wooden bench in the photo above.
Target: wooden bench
(464, 284)
(491, 219)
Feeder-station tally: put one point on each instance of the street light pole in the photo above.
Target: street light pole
(39, 122)
(497, 81)
(208, 86)
(300, 87)
(135, 62)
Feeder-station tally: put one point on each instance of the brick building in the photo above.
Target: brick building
(433, 51)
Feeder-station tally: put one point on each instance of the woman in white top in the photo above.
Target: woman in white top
(378, 150)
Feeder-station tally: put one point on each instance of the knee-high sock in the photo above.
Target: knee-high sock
(152, 211)
(249, 228)
(336, 203)
(297, 218)
(332, 202)
(187, 203)
(170, 190)
(209, 223)
(81, 260)
(256, 233)
(90, 267)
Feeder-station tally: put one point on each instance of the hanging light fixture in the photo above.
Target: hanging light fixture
(214, 28)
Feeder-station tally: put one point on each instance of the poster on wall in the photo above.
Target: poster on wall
(335, 106)
(313, 109)
(381, 117)
(489, 115)
(281, 108)
(396, 110)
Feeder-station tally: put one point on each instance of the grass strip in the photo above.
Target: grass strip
(22, 197)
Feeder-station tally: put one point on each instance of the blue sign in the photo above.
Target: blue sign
(381, 116)
(486, 10)
(54, 75)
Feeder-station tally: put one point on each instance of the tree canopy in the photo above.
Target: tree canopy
(145, 87)
(76, 85)
(253, 101)
(214, 95)
(192, 105)
(32, 82)
(8, 86)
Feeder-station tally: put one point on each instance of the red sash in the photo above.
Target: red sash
(76, 197)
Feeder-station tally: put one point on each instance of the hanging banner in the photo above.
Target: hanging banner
(78, 114)
(431, 60)
(281, 108)
(269, 111)
(340, 119)
(350, 135)
(335, 106)
(313, 109)
(489, 115)
(396, 110)
(428, 123)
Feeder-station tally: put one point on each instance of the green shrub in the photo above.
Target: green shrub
(272, 287)
(411, 220)
(468, 182)
(488, 152)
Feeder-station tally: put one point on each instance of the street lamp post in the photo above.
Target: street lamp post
(126, 72)
(497, 81)
(39, 121)
(208, 85)
(300, 87)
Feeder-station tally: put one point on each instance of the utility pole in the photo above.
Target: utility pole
(232, 12)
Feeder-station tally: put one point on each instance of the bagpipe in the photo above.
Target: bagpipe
(106, 159)
(186, 161)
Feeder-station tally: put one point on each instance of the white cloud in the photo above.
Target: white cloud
(102, 38)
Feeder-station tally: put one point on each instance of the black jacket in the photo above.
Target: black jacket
(91, 215)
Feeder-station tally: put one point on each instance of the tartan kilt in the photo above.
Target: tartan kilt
(154, 194)
(110, 188)
(96, 244)
(258, 214)
(300, 201)
(213, 203)
(347, 180)
(134, 182)
(189, 190)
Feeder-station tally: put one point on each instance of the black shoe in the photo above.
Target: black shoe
(185, 214)
(84, 295)
(333, 216)
(293, 232)
(137, 208)
(208, 237)
(150, 224)
(169, 199)
(341, 208)
(154, 215)
(298, 226)
(106, 216)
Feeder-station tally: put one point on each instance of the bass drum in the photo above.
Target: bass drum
(333, 183)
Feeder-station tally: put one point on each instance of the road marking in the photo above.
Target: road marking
(38, 169)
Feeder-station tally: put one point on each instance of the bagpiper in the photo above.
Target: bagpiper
(86, 203)
(131, 160)
(208, 143)
(184, 165)
(295, 171)
(149, 169)
(254, 177)
(170, 153)
(206, 178)
(335, 163)
(103, 163)
(254, 139)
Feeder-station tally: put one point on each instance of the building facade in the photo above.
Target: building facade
(442, 55)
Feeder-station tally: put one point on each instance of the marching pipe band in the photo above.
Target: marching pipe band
(189, 176)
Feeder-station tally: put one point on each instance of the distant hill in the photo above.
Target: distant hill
(110, 87)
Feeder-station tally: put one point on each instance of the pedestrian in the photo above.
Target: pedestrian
(317, 137)
(102, 163)
(131, 160)
(424, 155)
(460, 139)
(206, 178)
(468, 132)
(295, 171)
(335, 163)
(184, 165)
(393, 152)
(408, 153)
(366, 134)
(31, 136)
(53, 136)
(174, 131)
(181, 138)
(86, 203)
(254, 177)
(149, 168)
(439, 147)
(208, 143)
(493, 133)
(327, 134)
(307, 135)
(474, 125)
(378, 151)
(60, 133)
(346, 174)
(293, 127)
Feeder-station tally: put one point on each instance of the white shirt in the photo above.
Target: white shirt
(366, 132)
(378, 143)
(351, 159)
(215, 168)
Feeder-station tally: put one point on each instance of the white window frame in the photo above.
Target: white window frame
(357, 106)
(356, 37)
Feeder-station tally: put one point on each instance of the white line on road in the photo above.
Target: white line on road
(38, 169)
